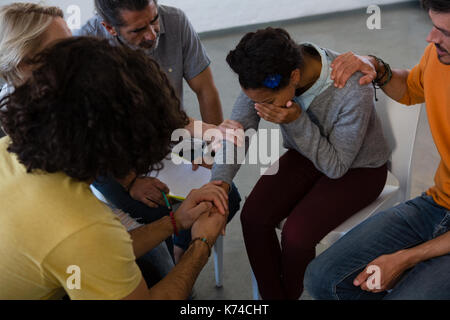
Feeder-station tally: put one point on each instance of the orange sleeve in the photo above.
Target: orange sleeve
(415, 90)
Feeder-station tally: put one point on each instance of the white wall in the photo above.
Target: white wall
(86, 6)
(209, 15)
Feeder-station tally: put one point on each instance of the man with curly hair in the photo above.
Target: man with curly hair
(165, 34)
(79, 116)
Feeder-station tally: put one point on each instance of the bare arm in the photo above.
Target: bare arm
(392, 266)
(179, 282)
(397, 87)
(204, 127)
(126, 182)
(347, 64)
(150, 235)
(433, 248)
(208, 97)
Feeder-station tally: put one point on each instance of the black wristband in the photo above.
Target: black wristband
(387, 70)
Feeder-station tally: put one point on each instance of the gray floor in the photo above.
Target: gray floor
(400, 42)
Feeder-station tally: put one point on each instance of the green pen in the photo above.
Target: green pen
(167, 201)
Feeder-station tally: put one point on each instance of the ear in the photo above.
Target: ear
(112, 31)
(295, 77)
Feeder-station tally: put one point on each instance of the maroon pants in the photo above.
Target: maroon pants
(313, 204)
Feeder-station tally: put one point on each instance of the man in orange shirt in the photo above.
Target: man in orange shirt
(408, 245)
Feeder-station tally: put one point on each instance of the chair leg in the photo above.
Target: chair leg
(255, 288)
(218, 261)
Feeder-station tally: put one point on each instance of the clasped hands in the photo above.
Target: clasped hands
(205, 211)
(205, 208)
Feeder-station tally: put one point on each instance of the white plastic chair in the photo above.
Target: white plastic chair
(217, 249)
(400, 127)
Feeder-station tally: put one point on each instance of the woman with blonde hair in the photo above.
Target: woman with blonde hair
(26, 29)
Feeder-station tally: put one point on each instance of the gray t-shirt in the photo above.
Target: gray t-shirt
(179, 53)
(340, 130)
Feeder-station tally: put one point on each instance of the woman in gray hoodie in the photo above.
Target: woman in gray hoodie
(336, 159)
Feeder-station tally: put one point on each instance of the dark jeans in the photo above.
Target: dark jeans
(155, 264)
(120, 198)
(313, 204)
(331, 274)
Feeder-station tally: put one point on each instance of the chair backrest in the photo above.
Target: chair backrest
(400, 124)
(98, 194)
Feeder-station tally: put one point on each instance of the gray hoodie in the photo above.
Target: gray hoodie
(338, 131)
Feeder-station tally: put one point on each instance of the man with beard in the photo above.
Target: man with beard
(166, 34)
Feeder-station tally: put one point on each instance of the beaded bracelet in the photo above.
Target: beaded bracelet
(205, 241)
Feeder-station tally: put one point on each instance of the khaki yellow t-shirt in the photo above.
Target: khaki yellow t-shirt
(55, 236)
(429, 82)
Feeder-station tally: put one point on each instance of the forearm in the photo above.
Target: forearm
(210, 106)
(431, 249)
(177, 285)
(150, 235)
(397, 87)
(191, 125)
(228, 162)
(196, 133)
(125, 182)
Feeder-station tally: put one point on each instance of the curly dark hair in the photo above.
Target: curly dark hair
(265, 53)
(90, 110)
(437, 5)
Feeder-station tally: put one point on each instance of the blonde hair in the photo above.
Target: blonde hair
(22, 26)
